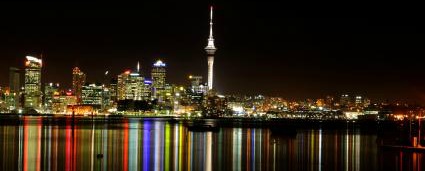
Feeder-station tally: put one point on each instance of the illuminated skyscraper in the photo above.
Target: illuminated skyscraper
(50, 91)
(78, 81)
(134, 87)
(15, 88)
(113, 89)
(33, 92)
(130, 86)
(92, 94)
(196, 85)
(345, 100)
(121, 81)
(358, 101)
(158, 80)
(196, 92)
(210, 49)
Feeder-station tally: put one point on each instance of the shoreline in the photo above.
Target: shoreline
(221, 122)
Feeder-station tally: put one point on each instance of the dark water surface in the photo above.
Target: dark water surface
(137, 144)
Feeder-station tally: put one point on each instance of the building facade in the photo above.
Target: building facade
(92, 94)
(78, 81)
(159, 80)
(33, 94)
(13, 101)
(50, 92)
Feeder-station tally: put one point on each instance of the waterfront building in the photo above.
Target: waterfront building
(215, 106)
(121, 85)
(78, 81)
(358, 101)
(196, 93)
(3, 99)
(196, 85)
(133, 86)
(50, 91)
(92, 94)
(106, 99)
(159, 80)
(210, 49)
(180, 100)
(33, 94)
(62, 101)
(330, 102)
(147, 91)
(113, 89)
(15, 88)
(345, 100)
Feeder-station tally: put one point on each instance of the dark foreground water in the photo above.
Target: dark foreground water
(137, 144)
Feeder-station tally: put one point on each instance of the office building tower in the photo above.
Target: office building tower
(134, 87)
(158, 80)
(121, 81)
(78, 81)
(92, 94)
(196, 85)
(130, 86)
(113, 89)
(33, 94)
(15, 88)
(50, 91)
(358, 101)
(344, 100)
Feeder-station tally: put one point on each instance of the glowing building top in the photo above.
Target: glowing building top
(159, 63)
(33, 62)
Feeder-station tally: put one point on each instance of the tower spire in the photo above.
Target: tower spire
(211, 38)
(138, 67)
(211, 22)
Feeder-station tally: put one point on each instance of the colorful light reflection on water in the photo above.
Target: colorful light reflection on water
(158, 145)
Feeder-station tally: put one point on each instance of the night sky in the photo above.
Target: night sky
(296, 51)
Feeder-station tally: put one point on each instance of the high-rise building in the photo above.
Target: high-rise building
(3, 99)
(330, 102)
(134, 87)
(158, 80)
(15, 88)
(121, 81)
(62, 101)
(196, 85)
(113, 89)
(147, 93)
(106, 98)
(92, 94)
(358, 101)
(210, 49)
(130, 86)
(78, 81)
(33, 94)
(50, 91)
(345, 101)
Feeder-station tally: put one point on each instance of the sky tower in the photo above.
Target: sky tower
(210, 52)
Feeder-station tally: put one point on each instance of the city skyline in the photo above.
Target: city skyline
(306, 66)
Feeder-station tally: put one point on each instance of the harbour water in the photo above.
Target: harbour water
(37, 143)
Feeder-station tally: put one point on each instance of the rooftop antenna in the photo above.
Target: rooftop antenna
(138, 67)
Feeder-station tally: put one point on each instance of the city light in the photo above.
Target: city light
(159, 63)
(281, 95)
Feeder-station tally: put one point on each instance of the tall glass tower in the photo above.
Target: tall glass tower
(158, 79)
(33, 92)
(78, 81)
